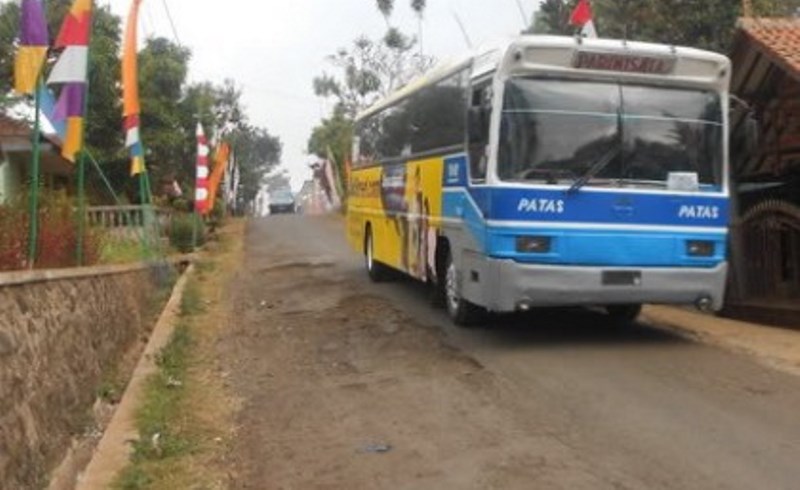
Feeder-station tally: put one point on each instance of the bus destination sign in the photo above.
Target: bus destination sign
(628, 63)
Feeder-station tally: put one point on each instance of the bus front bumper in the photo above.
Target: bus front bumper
(514, 286)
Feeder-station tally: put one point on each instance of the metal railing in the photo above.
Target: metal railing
(129, 221)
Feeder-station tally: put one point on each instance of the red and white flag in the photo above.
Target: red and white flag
(201, 185)
(582, 17)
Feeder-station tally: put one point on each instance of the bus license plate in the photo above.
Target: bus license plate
(622, 278)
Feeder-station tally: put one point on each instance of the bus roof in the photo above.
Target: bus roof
(576, 55)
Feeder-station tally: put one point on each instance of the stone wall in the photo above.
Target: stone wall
(60, 331)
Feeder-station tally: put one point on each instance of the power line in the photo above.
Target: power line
(523, 14)
(171, 23)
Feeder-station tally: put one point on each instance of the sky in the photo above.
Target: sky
(273, 50)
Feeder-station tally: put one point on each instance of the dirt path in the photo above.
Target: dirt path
(344, 385)
(345, 391)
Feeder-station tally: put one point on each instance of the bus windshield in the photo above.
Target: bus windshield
(556, 132)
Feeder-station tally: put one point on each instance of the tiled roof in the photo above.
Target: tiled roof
(10, 126)
(779, 38)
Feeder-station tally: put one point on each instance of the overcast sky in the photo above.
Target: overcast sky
(273, 49)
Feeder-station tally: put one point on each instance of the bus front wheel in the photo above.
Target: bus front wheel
(461, 311)
(375, 270)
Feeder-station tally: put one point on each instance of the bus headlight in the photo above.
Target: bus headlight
(700, 248)
(534, 244)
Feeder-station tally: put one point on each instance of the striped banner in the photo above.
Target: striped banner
(201, 185)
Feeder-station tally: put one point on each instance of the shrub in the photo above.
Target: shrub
(217, 215)
(57, 235)
(120, 250)
(181, 204)
(13, 235)
(182, 230)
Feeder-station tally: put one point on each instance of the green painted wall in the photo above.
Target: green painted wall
(10, 179)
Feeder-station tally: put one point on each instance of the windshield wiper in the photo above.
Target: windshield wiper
(607, 157)
(596, 168)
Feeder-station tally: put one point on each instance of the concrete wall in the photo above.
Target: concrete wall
(60, 331)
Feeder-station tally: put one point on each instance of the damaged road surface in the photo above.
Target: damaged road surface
(349, 384)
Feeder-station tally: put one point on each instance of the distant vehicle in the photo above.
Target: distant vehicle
(281, 201)
(553, 171)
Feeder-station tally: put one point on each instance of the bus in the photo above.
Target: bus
(551, 171)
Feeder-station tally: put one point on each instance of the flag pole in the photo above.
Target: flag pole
(33, 225)
(82, 157)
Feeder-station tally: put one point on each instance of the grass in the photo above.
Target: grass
(120, 251)
(192, 302)
(159, 419)
(111, 387)
(161, 434)
(185, 419)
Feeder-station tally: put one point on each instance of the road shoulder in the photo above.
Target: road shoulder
(775, 347)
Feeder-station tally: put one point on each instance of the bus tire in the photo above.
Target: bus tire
(623, 315)
(376, 271)
(461, 312)
(436, 290)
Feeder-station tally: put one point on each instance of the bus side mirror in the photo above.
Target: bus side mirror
(752, 133)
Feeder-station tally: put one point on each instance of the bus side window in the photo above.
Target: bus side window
(480, 111)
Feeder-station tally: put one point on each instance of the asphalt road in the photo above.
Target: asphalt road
(552, 399)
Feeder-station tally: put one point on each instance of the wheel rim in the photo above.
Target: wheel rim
(450, 288)
(369, 253)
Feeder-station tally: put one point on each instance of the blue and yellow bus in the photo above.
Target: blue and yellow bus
(551, 171)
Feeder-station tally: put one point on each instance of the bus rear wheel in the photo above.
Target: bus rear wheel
(461, 312)
(376, 271)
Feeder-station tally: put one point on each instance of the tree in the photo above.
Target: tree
(163, 66)
(334, 134)
(371, 70)
(553, 18)
(170, 108)
(103, 134)
(707, 24)
(257, 153)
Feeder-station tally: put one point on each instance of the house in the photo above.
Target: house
(15, 159)
(765, 239)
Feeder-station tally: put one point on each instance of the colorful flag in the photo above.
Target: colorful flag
(70, 71)
(130, 92)
(33, 42)
(221, 157)
(582, 17)
(47, 102)
(201, 183)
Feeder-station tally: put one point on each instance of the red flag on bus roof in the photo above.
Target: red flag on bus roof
(582, 17)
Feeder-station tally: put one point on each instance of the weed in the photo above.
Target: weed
(161, 435)
(115, 250)
(110, 391)
(187, 230)
(191, 303)
(205, 266)
(133, 478)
